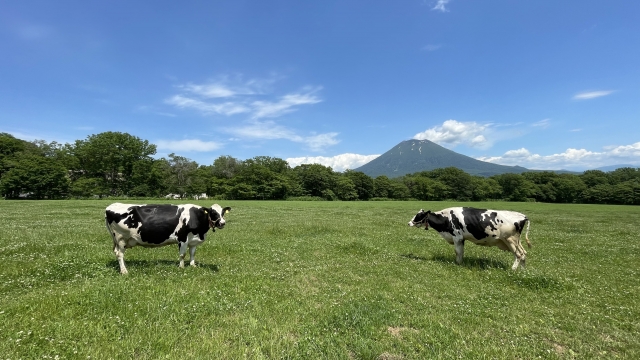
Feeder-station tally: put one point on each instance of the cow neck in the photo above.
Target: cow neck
(426, 222)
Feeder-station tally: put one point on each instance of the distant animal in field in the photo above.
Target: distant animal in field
(480, 226)
(158, 225)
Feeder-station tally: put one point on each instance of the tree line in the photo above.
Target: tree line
(118, 164)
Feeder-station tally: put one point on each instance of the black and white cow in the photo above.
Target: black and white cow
(480, 226)
(159, 225)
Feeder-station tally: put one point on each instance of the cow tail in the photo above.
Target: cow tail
(526, 235)
(110, 230)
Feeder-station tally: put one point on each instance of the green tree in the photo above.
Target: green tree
(381, 187)
(424, 188)
(621, 175)
(362, 182)
(226, 167)
(345, 189)
(38, 176)
(627, 193)
(593, 178)
(111, 157)
(515, 187)
(181, 172)
(485, 188)
(568, 188)
(315, 178)
(398, 190)
(458, 182)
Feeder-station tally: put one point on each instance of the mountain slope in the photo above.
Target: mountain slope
(412, 156)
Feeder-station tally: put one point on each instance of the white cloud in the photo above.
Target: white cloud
(225, 88)
(269, 130)
(453, 133)
(440, 5)
(544, 123)
(285, 105)
(591, 94)
(339, 163)
(230, 97)
(209, 90)
(187, 145)
(240, 97)
(321, 141)
(571, 158)
(226, 108)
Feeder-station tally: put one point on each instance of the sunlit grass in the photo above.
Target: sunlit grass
(319, 280)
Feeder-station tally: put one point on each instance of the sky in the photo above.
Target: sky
(543, 84)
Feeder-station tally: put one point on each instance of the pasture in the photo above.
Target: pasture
(335, 280)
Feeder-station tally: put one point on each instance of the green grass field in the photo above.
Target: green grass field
(310, 280)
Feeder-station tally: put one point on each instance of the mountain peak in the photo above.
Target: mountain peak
(411, 156)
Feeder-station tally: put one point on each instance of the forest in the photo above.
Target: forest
(115, 164)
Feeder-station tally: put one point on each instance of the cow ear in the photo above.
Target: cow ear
(226, 210)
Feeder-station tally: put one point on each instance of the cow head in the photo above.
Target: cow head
(420, 219)
(216, 216)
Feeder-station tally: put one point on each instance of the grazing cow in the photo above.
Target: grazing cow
(482, 227)
(159, 225)
(202, 196)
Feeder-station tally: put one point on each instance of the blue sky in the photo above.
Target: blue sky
(541, 84)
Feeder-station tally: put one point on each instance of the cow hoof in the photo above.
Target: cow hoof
(124, 272)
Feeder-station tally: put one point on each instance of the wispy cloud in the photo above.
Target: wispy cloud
(339, 163)
(440, 5)
(269, 130)
(241, 97)
(592, 94)
(225, 108)
(187, 145)
(227, 86)
(571, 158)
(255, 100)
(285, 104)
(452, 133)
(544, 123)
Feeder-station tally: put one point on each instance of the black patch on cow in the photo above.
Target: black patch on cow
(114, 216)
(440, 223)
(419, 217)
(477, 220)
(158, 222)
(520, 225)
(198, 222)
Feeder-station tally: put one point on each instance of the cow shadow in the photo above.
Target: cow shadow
(471, 262)
(148, 264)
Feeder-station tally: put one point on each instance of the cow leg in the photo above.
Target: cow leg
(118, 250)
(515, 248)
(523, 253)
(192, 256)
(459, 246)
(118, 247)
(183, 250)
